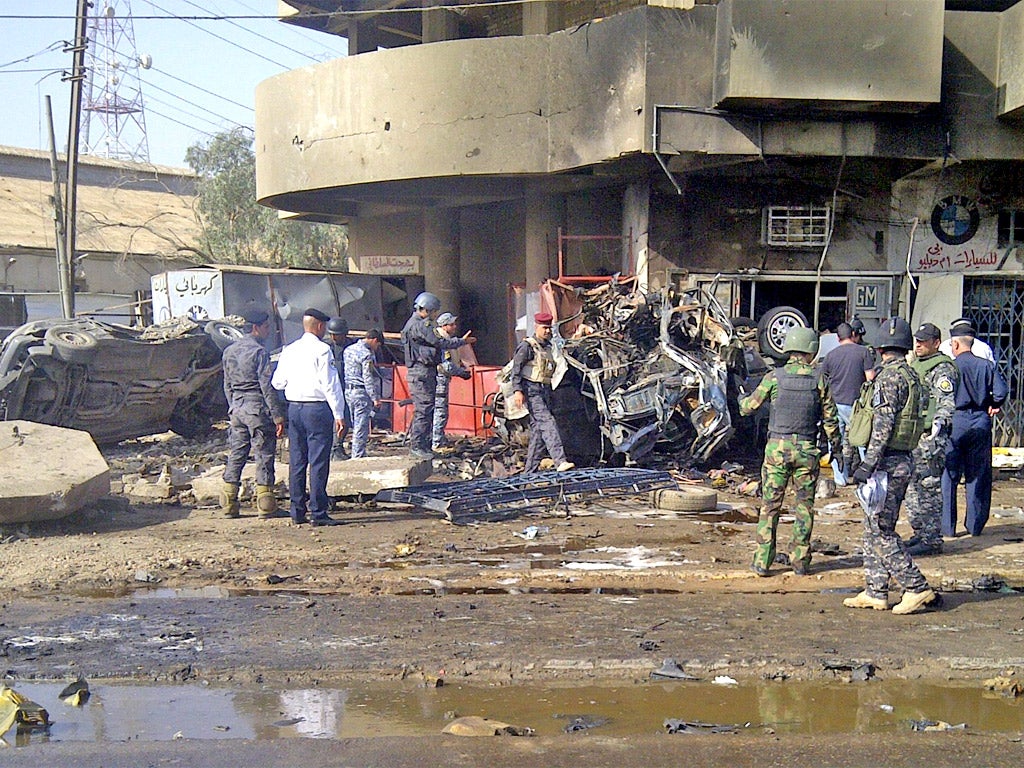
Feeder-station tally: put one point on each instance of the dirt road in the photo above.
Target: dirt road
(169, 592)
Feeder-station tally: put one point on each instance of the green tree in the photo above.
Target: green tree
(238, 230)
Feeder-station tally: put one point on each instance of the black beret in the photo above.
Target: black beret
(316, 314)
(257, 316)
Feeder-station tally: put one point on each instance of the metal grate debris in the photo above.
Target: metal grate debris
(496, 499)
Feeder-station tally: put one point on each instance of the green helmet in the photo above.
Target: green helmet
(801, 340)
(895, 333)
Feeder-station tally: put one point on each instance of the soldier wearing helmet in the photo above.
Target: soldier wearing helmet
(801, 406)
(337, 340)
(423, 348)
(896, 426)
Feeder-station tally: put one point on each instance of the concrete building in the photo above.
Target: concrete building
(843, 157)
(134, 220)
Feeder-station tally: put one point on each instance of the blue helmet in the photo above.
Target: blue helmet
(427, 301)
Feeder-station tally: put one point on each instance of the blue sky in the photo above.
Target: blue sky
(202, 79)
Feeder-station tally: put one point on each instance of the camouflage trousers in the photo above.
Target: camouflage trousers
(543, 428)
(924, 496)
(440, 411)
(885, 555)
(361, 407)
(250, 425)
(785, 459)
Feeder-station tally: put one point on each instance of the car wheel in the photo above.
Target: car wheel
(223, 334)
(72, 345)
(685, 499)
(773, 326)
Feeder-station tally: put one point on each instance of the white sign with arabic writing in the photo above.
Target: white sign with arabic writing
(194, 293)
(389, 265)
(955, 258)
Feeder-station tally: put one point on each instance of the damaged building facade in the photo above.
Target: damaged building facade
(842, 157)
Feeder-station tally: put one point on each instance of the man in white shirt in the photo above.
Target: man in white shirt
(309, 379)
(963, 327)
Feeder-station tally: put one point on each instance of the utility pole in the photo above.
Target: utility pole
(77, 78)
(63, 263)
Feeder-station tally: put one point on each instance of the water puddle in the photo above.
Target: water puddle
(165, 712)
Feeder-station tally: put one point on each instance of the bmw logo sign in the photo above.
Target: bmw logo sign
(955, 219)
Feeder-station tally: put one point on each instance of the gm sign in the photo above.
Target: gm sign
(870, 298)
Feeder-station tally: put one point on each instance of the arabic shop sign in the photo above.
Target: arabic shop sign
(943, 258)
(389, 265)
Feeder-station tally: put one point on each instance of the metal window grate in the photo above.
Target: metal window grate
(996, 304)
(495, 499)
(797, 226)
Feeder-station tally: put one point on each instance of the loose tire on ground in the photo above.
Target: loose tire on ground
(72, 345)
(685, 499)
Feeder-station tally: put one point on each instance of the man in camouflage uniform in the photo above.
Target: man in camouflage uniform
(451, 365)
(800, 404)
(337, 339)
(895, 431)
(256, 414)
(939, 376)
(362, 387)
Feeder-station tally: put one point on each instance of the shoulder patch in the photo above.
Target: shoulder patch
(944, 384)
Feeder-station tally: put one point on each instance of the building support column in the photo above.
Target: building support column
(543, 218)
(636, 208)
(542, 18)
(441, 249)
(439, 24)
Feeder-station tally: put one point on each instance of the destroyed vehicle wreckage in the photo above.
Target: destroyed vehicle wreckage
(658, 370)
(115, 382)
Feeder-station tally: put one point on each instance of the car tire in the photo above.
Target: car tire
(772, 328)
(223, 334)
(72, 345)
(685, 499)
(742, 322)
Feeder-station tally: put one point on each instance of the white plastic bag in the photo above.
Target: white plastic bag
(872, 493)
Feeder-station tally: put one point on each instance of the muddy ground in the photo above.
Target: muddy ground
(128, 590)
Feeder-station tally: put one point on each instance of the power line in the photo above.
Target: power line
(257, 34)
(47, 49)
(200, 88)
(223, 39)
(192, 104)
(305, 34)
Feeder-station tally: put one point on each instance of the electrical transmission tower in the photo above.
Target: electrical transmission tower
(115, 125)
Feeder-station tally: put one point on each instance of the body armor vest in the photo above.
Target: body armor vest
(928, 404)
(797, 408)
(542, 366)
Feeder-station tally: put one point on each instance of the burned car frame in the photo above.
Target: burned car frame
(113, 381)
(660, 370)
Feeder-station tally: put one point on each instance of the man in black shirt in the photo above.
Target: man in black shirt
(846, 368)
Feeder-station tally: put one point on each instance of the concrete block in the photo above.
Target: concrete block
(372, 473)
(206, 487)
(48, 472)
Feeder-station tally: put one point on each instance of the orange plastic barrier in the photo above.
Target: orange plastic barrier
(466, 399)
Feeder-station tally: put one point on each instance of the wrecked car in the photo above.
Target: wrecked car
(660, 370)
(112, 381)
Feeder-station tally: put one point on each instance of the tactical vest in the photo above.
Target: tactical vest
(928, 404)
(541, 368)
(796, 410)
(909, 426)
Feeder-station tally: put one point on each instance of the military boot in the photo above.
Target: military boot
(864, 600)
(229, 500)
(266, 501)
(914, 601)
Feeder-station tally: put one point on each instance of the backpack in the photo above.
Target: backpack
(909, 424)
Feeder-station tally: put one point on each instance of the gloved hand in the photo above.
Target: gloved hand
(862, 475)
(464, 374)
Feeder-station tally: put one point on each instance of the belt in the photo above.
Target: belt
(776, 436)
(307, 402)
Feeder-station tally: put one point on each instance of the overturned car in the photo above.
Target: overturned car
(113, 381)
(643, 371)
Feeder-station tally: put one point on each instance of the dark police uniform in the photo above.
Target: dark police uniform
(532, 367)
(970, 452)
(253, 408)
(423, 349)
